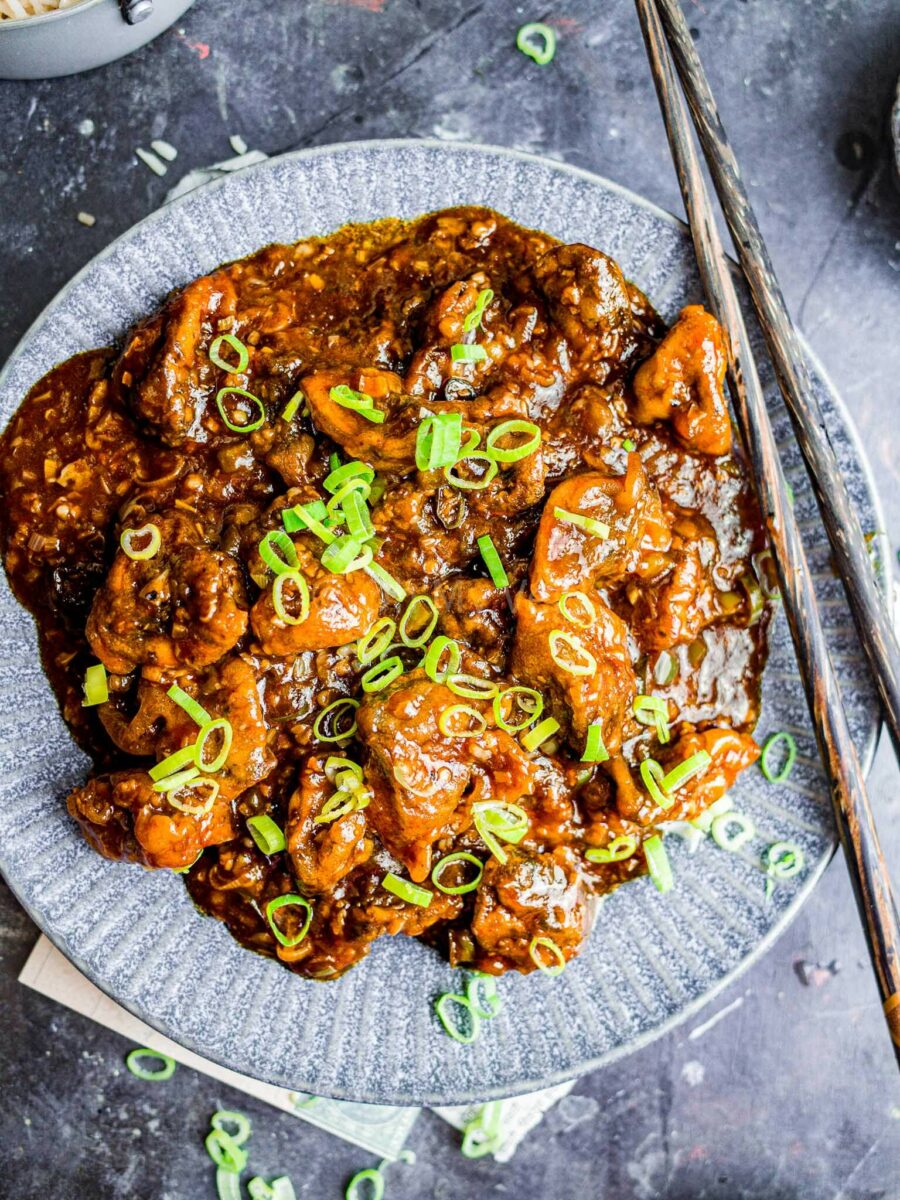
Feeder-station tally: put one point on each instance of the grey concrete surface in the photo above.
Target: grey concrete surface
(794, 1093)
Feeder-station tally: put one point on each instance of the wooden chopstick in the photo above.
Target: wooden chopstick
(853, 815)
(838, 515)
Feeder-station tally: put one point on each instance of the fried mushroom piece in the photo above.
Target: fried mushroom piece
(682, 382)
(386, 445)
(123, 818)
(185, 607)
(529, 896)
(602, 685)
(423, 781)
(679, 606)
(568, 557)
(588, 298)
(322, 853)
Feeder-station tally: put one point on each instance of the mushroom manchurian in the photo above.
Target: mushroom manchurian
(410, 542)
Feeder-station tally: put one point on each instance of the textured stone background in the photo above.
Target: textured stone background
(794, 1093)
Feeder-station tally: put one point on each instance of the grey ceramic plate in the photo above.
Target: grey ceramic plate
(372, 1036)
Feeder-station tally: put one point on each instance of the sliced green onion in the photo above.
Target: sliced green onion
(369, 1175)
(784, 860)
(386, 581)
(584, 662)
(96, 687)
(166, 1070)
(450, 1027)
(279, 1189)
(728, 839)
(628, 445)
(375, 640)
(434, 654)
(537, 41)
(346, 554)
(311, 516)
(358, 402)
(225, 1152)
(336, 766)
(383, 673)
(336, 711)
(658, 863)
(228, 1185)
(686, 770)
(223, 724)
(438, 440)
(448, 860)
(487, 984)
(289, 900)
(512, 695)
(350, 797)
(665, 669)
(495, 819)
(228, 339)
(652, 775)
(544, 943)
(250, 425)
(537, 736)
(511, 454)
(280, 583)
(412, 616)
(174, 762)
(350, 470)
(704, 821)
(226, 1116)
(594, 749)
(589, 524)
(471, 441)
(175, 780)
(285, 559)
(193, 810)
(290, 409)
(467, 352)
(407, 890)
(618, 849)
(482, 1134)
(474, 318)
(195, 711)
(473, 687)
(755, 599)
(130, 536)
(356, 515)
(268, 836)
(498, 575)
(764, 569)
(451, 474)
(446, 718)
(765, 762)
(651, 710)
(350, 487)
(586, 618)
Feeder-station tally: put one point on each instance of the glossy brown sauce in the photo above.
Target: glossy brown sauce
(113, 440)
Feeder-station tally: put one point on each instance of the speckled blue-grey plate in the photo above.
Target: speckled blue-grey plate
(372, 1036)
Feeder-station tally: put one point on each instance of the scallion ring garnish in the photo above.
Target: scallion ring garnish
(227, 1116)
(495, 819)
(309, 516)
(358, 402)
(375, 640)
(220, 724)
(658, 863)
(511, 454)
(268, 836)
(652, 774)
(628, 445)
(449, 721)
(569, 653)
(191, 785)
(451, 474)
(486, 985)
(473, 687)
(474, 318)
(686, 770)
(438, 441)
(457, 1032)
(617, 850)
(784, 860)
(335, 767)
(448, 860)
(528, 700)
(381, 674)
(499, 577)
(134, 1059)
(96, 686)
(537, 41)
(412, 632)
(356, 486)
(535, 949)
(246, 427)
(278, 552)
(351, 470)
(290, 409)
(228, 339)
(289, 900)
(350, 797)
(345, 554)
(298, 581)
(226, 1153)
(578, 608)
(471, 441)
(756, 602)
(174, 762)
(279, 1189)
(540, 734)
(386, 581)
(467, 352)
(356, 515)
(174, 780)
(769, 748)
(131, 540)
(431, 663)
(336, 715)
(665, 669)
(651, 710)
(764, 569)
(589, 524)
(725, 835)
(369, 1175)
(406, 890)
(594, 749)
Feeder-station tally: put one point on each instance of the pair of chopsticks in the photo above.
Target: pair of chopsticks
(665, 29)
